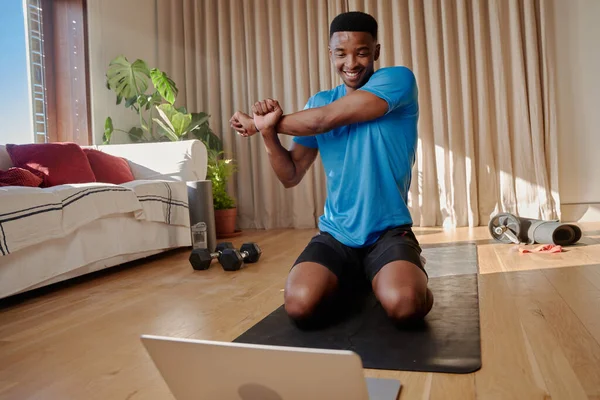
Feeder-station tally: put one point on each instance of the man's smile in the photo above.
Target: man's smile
(352, 75)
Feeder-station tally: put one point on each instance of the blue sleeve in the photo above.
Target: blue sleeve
(307, 141)
(396, 85)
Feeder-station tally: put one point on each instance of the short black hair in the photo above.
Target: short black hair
(354, 21)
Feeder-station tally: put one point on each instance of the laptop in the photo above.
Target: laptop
(203, 369)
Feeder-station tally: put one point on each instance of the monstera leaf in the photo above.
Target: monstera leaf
(128, 80)
(164, 85)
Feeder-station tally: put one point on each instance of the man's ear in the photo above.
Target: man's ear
(377, 51)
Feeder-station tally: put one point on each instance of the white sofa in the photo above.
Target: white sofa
(107, 225)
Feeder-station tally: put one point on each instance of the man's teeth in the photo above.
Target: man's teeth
(351, 74)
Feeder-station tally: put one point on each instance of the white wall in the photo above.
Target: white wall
(577, 35)
(117, 27)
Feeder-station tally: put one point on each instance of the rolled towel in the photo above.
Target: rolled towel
(545, 248)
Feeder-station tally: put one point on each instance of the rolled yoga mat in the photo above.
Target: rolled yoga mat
(532, 231)
(447, 341)
(549, 232)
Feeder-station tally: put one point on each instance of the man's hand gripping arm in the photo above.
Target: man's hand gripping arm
(290, 166)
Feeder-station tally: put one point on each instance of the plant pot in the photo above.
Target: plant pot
(225, 221)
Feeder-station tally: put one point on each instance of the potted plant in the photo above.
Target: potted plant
(152, 94)
(219, 170)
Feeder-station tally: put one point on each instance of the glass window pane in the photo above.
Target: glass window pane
(16, 110)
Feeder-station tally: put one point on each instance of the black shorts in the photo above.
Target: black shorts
(349, 263)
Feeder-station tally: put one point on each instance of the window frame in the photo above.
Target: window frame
(62, 25)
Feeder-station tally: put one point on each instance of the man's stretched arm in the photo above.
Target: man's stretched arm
(290, 166)
(387, 90)
(359, 106)
(356, 107)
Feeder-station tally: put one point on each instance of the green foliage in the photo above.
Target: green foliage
(108, 130)
(160, 120)
(126, 79)
(219, 171)
(201, 131)
(173, 122)
(164, 85)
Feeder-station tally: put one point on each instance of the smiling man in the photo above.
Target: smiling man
(366, 132)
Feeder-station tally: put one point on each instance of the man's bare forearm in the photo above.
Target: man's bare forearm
(303, 123)
(359, 106)
(280, 158)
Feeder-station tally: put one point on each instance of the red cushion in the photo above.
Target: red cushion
(108, 168)
(61, 163)
(20, 177)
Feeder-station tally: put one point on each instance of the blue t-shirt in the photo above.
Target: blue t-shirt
(368, 165)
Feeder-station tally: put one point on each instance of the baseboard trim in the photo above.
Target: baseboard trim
(580, 212)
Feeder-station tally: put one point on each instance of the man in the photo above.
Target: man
(366, 131)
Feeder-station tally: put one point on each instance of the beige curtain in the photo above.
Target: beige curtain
(488, 139)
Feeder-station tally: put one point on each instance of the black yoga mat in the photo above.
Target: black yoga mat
(448, 340)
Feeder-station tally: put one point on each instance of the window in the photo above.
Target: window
(66, 75)
(15, 103)
(36, 69)
(46, 72)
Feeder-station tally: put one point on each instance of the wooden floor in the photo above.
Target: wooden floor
(540, 323)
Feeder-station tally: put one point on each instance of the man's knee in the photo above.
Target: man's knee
(308, 285)
(300, 302)
(406, 303)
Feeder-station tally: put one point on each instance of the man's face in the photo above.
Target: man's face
(354, 54)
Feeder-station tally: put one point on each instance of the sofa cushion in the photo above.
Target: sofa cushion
(20, 177)
(184, 160)
(60, 163)
(108, 168)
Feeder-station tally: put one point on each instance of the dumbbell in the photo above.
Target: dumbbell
(202, 258)
(233, 260)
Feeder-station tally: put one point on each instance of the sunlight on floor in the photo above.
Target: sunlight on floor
(507, 257)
